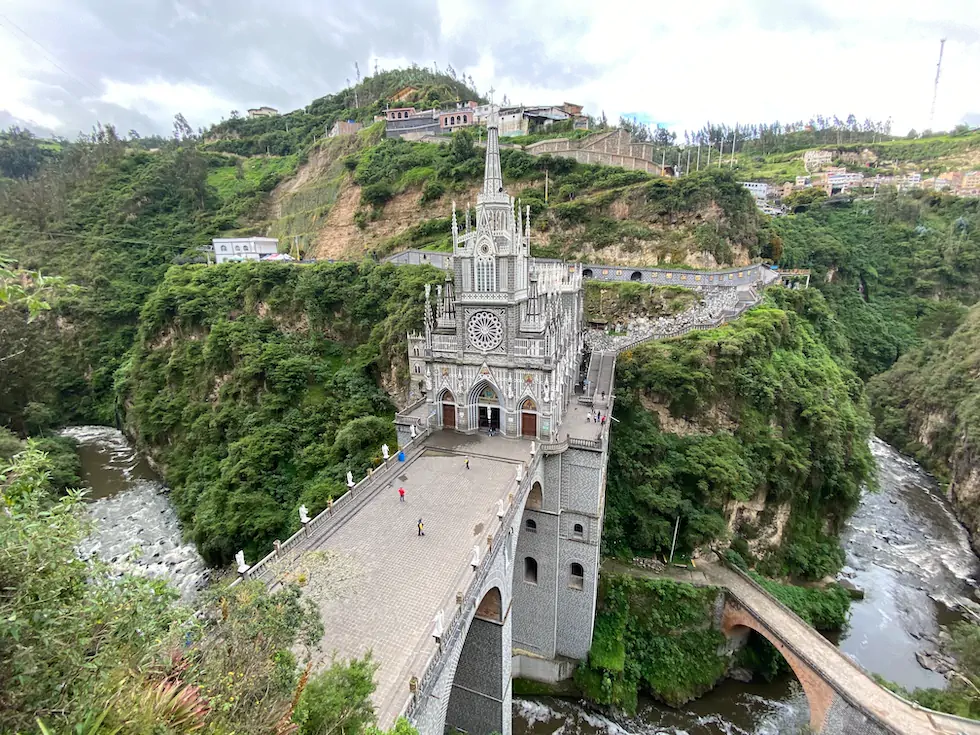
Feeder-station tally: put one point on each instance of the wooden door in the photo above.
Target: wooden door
(529, 424)
(448, 416)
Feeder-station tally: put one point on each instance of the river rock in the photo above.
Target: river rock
(740, 674)
(855, 592)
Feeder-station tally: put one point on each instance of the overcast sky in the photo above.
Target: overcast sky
(65, 64)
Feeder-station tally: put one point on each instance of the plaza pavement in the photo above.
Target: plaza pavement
(378, 585)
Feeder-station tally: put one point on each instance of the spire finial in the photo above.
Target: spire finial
(493, 181)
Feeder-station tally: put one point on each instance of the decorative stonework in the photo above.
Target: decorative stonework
(484, 330)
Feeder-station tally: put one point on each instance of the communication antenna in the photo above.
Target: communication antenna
(935, 87)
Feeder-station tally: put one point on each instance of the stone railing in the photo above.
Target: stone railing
(336, 513)
(456, 627)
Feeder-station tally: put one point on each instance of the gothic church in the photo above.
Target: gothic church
(503, 334)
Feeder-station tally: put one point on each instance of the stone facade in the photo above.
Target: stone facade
(503, 334)
(615, 148)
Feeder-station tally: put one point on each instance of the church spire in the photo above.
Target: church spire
(493, 181)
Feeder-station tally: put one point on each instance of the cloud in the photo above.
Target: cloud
(67, 63)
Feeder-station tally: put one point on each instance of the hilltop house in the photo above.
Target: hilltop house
(263, 112)
(228, 249)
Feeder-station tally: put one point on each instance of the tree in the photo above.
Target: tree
(664, 137)
(802, 200)
(637, 130)
(20, 154)
(28, 289)
(182, 129)
(461, 148)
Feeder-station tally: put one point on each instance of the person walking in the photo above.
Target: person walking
(401, 494)
(467, 462)
(421, 528)
(603, 420)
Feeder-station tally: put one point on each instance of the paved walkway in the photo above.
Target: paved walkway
(378, 585)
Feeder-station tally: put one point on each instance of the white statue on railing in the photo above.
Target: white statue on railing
(240, 562)
(413, 431)
(520, 471)
(350, 479)
(385, 451)
(475, 558)
(500, 509)
(438, 626)
(534, 447)
(304, 517)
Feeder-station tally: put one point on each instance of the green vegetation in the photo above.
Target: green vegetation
(293, 132)
(759, 406)
(614, 301)
(894, 271)
(87, 651)
(257, 387)
(927, 405)
(654, 636)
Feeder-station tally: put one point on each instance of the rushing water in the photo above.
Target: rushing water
(136, 529)
(913, 561)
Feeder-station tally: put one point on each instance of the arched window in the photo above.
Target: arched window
(418, 369)
(531, 570)
(534, 497)
(224, 248)
(464, 118)
(417, 351)
(576, 576)
(530, 525)
(578, 531)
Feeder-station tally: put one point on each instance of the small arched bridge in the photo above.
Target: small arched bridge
(843, 698)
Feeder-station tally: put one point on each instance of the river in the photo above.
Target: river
(913, 561)
(136, 528)
(904, 548)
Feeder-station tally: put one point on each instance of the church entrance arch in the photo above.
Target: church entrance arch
(529, 418)
(448, 403)
(487, 403)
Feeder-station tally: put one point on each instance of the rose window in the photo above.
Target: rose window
(484, 330)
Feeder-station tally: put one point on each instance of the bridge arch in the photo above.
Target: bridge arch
(636, 276)
(587, 273)
(737, 623)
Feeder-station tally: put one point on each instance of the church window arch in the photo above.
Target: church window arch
(576, 576)
(530, 570)
(578, 531)
(531, 526)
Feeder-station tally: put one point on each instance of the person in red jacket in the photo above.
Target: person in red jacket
(401, 494)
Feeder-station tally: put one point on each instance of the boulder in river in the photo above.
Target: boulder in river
(855, 592)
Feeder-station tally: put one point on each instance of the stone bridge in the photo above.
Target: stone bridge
(843, 698)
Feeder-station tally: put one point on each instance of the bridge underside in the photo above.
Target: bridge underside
(379, 585)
